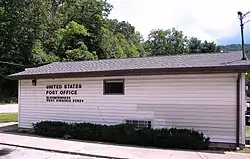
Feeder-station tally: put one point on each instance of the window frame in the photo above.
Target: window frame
(112, 80)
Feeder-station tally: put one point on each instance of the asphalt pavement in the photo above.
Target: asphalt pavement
(8, 108)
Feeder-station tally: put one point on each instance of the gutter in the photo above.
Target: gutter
(238, 111)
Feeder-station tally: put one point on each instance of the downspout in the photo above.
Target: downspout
(238, 111)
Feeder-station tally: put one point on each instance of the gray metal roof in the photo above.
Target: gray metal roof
(140, 63)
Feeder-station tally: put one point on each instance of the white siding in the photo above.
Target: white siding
(204, 102)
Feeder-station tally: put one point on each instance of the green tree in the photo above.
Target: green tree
(123, 40)
(68, 43)
(92, 14)
(207, 47)
(38, 56)
(197, 46)
(133, 37)
(110, 45)
(21, 24)
(166, 42)
(194, 45)
(127, 41)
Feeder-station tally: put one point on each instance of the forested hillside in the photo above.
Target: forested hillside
(234, 47)
(44, 31)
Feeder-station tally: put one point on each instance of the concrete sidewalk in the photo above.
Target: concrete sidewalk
(110, 151)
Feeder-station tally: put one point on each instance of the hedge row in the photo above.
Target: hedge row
(124, 134)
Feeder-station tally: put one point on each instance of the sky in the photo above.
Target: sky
(212, 20)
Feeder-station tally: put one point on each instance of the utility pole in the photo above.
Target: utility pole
(241, 17)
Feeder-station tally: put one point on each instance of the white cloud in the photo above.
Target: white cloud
(205, 19)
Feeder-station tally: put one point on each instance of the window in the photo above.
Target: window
(113, 87)
(139, 124)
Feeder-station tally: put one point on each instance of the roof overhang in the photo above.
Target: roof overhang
(136, 72)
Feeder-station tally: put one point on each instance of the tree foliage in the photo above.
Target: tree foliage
(172, 42)
(234, 47)
(21, 23)
(19, 28)
(197, 46)
(166, 42)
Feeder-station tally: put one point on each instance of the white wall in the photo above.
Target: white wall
(204, 102)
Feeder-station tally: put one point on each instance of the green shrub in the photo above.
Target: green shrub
(182, 138)
(146, 137)
(52, 129)
(124, 134)
(85, 131)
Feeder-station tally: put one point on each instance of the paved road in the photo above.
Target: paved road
(9, 108)
(10, 152)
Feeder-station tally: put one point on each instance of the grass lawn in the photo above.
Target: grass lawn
(8, 117)
(244, 151)
(248, 131)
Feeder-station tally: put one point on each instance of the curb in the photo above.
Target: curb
(65, 152)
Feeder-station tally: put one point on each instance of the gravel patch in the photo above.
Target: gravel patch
(11, 152)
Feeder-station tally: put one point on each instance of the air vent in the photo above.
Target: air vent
(139, 124)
